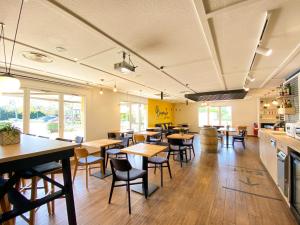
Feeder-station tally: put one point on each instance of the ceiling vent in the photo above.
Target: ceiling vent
(217, 95)
(37, 57)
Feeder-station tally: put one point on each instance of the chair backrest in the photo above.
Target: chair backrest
(120, 164)
(139, 137)
(176, 142)
(111, 135)
(125, 141)
(81, 152)
(78, 139)
(64, 139)
(243, 133)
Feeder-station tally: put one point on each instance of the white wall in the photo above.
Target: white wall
(102, 112)
(244, 113)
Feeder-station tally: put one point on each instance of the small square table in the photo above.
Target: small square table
(146, 151)
(180, 136)
(227, 130)
(148, 134)
(100, 145)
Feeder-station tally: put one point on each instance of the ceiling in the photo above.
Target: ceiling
(203, 45)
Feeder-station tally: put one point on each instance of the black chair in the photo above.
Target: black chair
(176, 147)
(129, 134)
(239, 138)
(111, 135)
(78, 139)
(160, 161)
(190, 145)
(156, 138)
(123, 171)
(116, 151)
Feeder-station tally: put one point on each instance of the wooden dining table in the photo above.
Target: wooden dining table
(148, 134)
(146, 151)
(227, 131)
(97, 146)
(180, 136)
(31, 152)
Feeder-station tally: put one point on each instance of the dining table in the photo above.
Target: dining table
(148, 134)
(227, 130)
(146, 151)
(30, 152)
(97, 146)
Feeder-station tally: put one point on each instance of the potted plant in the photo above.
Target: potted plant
(9, 134)
(181, 130)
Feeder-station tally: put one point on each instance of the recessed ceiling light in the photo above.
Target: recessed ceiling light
(75, 59)
(37, 57)
(60, 49)
(263, 51)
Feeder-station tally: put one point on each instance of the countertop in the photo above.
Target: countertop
(283, 138)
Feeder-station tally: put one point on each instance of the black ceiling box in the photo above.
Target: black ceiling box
(217, 95)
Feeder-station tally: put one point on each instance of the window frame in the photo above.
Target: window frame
(219, 114)
(140, 113)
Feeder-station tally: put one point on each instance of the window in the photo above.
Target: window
(11, 109)
(44, 119)
(133, 116)
(215, 116)
(73, 124)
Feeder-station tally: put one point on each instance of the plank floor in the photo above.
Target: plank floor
(228, 188)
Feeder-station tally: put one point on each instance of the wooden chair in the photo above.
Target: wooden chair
(176, 147)
(82, 158)
(116, 152)
(139, 138)
(123, 171)
(190, 145)
(241, 128)
(239, 138)
(161, 162)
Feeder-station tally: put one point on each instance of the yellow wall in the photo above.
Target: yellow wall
(160, 112)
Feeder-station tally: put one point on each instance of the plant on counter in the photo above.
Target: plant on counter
(9, 134)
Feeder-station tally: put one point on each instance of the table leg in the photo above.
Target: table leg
(149, 188)
(227, 139)
(106, 172)
(66, 169)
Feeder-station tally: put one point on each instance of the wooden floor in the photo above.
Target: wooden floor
(231, 187)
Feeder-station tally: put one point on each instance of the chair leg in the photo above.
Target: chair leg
(181, 158)
(161, 175)
(33, 197)
(52, 191)
(243, 142)
(46, 189)
(111, 191)
(86, 176)
(129, 204)
(193, 150)
(168, 164)
(75, 171)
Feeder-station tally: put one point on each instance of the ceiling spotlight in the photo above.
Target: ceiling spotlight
(60, 49)
(251, 78)
(274, 102)
(125, 67)
(263, 51)
(246, 88)
(101, 91)
(115, 88)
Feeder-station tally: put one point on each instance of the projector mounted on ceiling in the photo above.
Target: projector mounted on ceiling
(125, 67)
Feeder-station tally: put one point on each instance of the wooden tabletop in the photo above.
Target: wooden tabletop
(230, 129)
(101, 143)
(146, 150)
(154, 128)
(178, 128)
(148, 133)
(181, 136)
(120, 131)
(31, 146)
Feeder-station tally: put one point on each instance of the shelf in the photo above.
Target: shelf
(287, 111)
(286, 97)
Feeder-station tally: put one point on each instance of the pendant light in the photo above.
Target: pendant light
(115, 88)
(8, 83)
(101, 89)
(161, 95)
